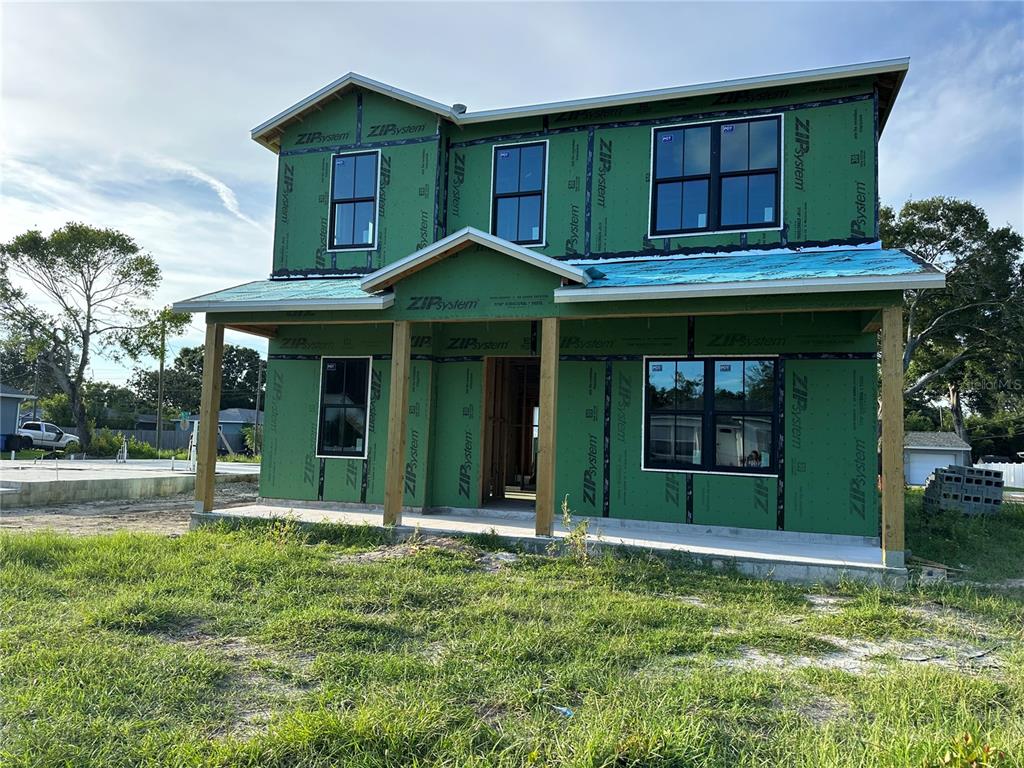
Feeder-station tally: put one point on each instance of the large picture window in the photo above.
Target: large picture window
(517, 209)
(715, 176)
(344, 384)
(353, 219)
(710, 415)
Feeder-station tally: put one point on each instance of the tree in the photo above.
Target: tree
(84, 293)
(183, 380)
(976, 325)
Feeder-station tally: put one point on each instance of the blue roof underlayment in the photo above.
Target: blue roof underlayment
(752, 266)
(734, 267)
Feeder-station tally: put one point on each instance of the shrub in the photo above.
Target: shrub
(105, 443)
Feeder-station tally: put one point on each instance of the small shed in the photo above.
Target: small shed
(10, 402)
(924, 451)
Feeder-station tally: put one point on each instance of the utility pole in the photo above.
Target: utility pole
(35, 391)
(160, 382)
(256, 417)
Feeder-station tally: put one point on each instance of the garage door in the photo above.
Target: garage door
(920, 465)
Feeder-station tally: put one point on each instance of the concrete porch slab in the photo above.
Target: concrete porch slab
(780, 555)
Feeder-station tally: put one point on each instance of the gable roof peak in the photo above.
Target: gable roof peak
(390, 274)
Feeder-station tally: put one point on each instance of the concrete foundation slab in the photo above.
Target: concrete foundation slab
(46, 483)
(780, 555)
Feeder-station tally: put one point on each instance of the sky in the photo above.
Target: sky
(136, 116)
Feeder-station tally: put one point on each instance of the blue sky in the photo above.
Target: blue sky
(137, 116)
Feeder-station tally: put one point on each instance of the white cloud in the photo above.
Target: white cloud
(224, 192)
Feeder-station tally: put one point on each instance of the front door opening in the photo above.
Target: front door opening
(511, 428)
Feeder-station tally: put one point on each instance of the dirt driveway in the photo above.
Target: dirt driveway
(168, 515)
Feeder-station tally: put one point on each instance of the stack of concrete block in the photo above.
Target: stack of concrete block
(968, 490)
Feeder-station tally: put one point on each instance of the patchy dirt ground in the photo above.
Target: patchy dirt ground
(168, 515)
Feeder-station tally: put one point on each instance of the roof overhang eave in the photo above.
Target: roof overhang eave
(899, 67)
(384, 301)
(752, 288)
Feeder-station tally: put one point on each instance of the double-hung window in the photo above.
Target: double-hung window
(710, 415)
(517, 206)
(715, 176)
(344, 385)
(353, 219)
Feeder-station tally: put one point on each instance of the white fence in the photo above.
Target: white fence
(1013, 474)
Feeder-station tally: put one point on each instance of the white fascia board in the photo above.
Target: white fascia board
(899, 66)
(684, 91)
(470, 234)
(271, 305)
(751, 288)
(341, 83)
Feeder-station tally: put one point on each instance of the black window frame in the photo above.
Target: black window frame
(341, 454)
(543, 193)
(333, 202)
(709, 459)
(714, 179)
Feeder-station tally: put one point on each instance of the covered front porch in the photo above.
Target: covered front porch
(788, 485)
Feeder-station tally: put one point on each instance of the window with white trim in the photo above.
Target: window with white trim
(716, 176)
(344, 387)
(710, 415)
(353, 219)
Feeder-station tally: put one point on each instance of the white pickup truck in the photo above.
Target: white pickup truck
(41, 434)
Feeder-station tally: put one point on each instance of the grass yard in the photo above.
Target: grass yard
(272, 647)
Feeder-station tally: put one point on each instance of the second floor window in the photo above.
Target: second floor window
(517, 208)
(715, 176)
(353, 222)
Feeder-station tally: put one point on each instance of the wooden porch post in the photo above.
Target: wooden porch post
(892, 436)
(549, 344)
(209, 413)
(398, 409)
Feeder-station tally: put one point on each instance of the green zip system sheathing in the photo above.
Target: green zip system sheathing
(598, 185)
(827, 468)
(406, 209)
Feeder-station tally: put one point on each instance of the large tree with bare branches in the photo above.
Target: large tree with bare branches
(973, 327)
(79, 292)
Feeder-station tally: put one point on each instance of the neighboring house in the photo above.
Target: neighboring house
(924, 451)
(675, 295)
(232, 421)
(10, 403)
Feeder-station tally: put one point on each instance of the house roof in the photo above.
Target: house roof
(233, 416)
(457, 241)
(326, 293)
(932, 440)
(16, 394)
(890, 71)
(743, 273)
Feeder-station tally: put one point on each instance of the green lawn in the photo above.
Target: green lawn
(270, 647)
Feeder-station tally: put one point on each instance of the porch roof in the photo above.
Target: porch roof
(754, 272)
(323, 293)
